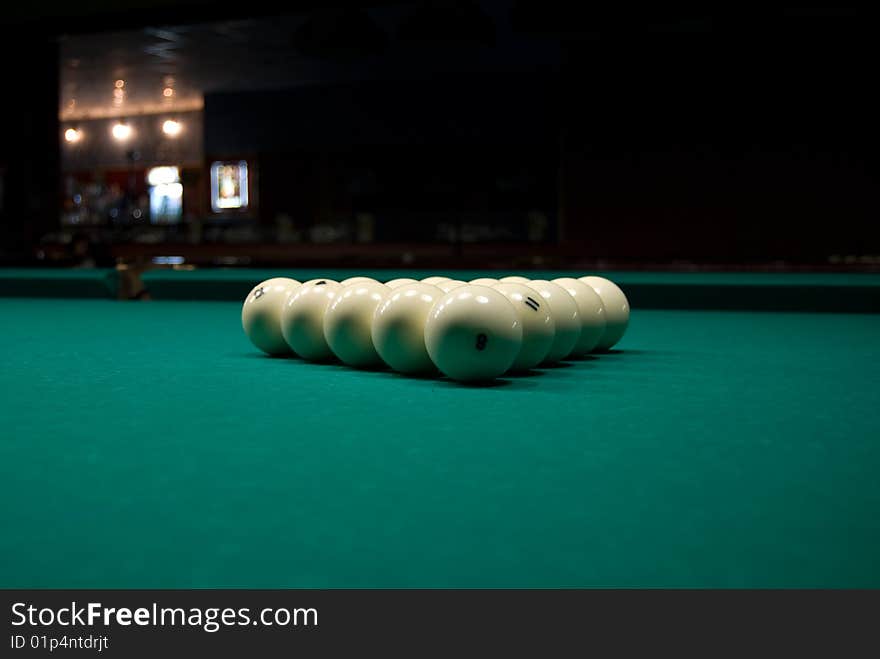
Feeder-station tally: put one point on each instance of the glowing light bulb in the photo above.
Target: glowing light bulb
(72, 135)
(172, 128)
(121, 131)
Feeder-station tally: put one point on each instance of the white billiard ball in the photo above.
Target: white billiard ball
(399, 327)
(321, 281)
(261, 314)
(348, 323)
(514, 279)
(565, 314)
(592, 314)
(473, 333)
(302, 318)
(450, 285)
(395, 283)
(616, 310)
(484, 281)
(435, 280)
(356, 280)
(538, 326)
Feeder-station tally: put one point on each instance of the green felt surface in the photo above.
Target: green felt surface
(59, 282)
(148, 445)
(744, 291)
(622, 276)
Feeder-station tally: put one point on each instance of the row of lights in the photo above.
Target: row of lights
(121, 131)
(119, 90)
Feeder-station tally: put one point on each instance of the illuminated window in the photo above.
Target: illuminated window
(229, 186)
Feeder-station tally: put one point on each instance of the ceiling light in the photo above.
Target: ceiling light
(172, 128)
(121, 131)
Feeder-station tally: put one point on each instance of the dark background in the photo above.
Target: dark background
(669, 137)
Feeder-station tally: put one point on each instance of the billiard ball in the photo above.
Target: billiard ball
(452, 284)
(514, 279)
(473, 333)
(538, 326)
(302, 318)
(591, 311)
(261, 314)
(348, 323)
(484, 281)
(435, 280)
(321, 281)
(355, 280)
(399, 327)
(565, 314)
(395, 283)
(616, 310)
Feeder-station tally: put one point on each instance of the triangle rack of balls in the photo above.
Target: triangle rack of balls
(472, 331)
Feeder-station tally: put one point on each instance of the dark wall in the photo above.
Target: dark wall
(727, 134)
(735, 138)
(29, 157)
(748, 140)
(479, 111)
(416, 154)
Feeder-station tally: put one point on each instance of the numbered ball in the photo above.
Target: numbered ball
(473, 333)
(616, 310)
(302, 318)
(348, 323)
(435, 280)
(565, 314)
(261, 314)
(356, 280)
(321, 281)
(450, 285)
(514, 279)
(402, 281)
(484, 281)
(538, 326)
(591, 311)
(399, 327)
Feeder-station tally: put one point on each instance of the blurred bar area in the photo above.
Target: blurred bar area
(507, 134)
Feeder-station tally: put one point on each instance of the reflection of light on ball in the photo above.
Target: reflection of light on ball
(591, 312)
(616, 310)
(452, 284)
(402, 281)
(473, 333)
(566, 316)
(399, 327)
(539, 328)
(302, 318)
(356, 280)
(261, 314)
(348, 323)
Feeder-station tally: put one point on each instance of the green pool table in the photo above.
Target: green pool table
(147, 444)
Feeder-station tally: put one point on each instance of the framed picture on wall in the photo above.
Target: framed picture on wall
(229, 186)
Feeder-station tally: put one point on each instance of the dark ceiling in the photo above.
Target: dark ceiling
(389, 42)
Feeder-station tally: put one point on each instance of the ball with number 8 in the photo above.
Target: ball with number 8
(473, 333)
